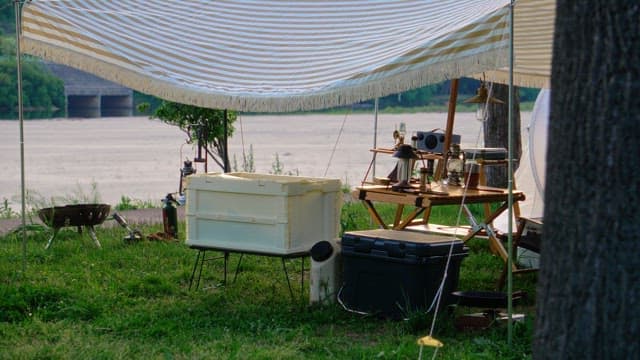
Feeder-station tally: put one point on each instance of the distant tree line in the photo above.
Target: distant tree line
(7, 17)
(438, 94)
(42, 91)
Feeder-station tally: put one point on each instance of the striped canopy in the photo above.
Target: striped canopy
(276, 56)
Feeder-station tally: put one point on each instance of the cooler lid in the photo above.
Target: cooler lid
(400, 242)
(485, 153)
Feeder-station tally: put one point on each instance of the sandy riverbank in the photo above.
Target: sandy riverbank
(141, 158)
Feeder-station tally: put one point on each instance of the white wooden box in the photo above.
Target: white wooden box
(260, 212)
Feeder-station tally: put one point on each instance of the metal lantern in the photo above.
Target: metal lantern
(481, 99)
(405, 155)
(455, 165)
(185, 171)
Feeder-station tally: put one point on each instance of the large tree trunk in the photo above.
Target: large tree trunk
(589, 283)
(496, 132)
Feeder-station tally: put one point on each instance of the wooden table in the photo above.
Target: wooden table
(423, 202)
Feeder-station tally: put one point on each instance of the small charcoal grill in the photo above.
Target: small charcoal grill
(78, 215)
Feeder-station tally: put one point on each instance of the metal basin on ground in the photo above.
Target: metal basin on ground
(78, 215)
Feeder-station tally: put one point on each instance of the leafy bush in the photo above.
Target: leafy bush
(40, 88)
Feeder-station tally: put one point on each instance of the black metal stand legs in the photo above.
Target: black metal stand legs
(201, 258)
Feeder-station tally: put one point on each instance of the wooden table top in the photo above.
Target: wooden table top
(439, 195)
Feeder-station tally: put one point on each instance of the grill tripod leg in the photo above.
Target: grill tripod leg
(92, 233)
(53, 236)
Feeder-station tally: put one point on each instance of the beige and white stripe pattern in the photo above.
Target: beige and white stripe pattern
(534, 24)
(270, 56)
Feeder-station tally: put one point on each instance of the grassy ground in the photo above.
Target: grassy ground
(133, 301)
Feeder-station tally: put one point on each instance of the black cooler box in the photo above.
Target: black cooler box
(485, 153)
(392, 273)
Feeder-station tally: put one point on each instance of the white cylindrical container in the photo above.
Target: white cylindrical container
(326, 272)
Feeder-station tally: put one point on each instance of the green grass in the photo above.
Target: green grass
(133, 301)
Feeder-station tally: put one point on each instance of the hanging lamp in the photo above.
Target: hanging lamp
(481, 99)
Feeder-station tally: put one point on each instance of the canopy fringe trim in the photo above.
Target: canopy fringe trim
(520, 78)
(321, 99)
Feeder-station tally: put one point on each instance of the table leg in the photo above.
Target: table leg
(374, 214)
(426, 215)
(201, 266)
(286, 274)
(200, 259)
(195, 267)
(226, 262)
(494, 243)
(398, 218)
(408, 220)
(238, 268)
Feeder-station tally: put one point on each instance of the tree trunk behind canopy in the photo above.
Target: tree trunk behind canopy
(496, 132)
(588, 295)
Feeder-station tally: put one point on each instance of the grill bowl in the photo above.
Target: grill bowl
(74, 215)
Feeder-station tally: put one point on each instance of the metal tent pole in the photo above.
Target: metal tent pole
(23, 196)
(226, 142)
(510, 186)
(375, 136)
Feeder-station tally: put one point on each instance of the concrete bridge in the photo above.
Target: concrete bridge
(90, 96)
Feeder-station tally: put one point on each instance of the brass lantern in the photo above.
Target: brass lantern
(482, 99)
(455, 165)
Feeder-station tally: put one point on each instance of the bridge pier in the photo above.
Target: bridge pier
(90, 96)
(116, 105)
(83, 106)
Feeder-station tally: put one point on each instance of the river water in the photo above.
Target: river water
(104, 159)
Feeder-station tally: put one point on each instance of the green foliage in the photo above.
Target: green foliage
(193, 118)
(6, 212)
(41, 90)
(200, 124)
(277, 168)
(145, 104)
(434, 97)
(127, 203)
(7, 17)
(248, 164)
(7, 46)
